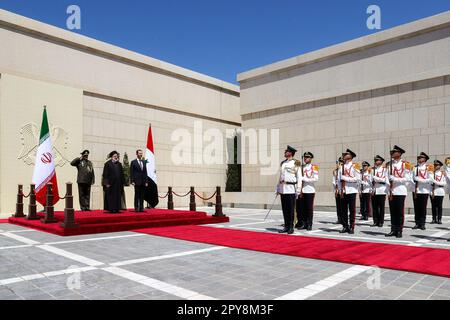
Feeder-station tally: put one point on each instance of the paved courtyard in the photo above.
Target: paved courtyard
(128, 265)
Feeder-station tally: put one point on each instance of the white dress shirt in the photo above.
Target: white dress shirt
(310, 176)
(351, 176)
(380, 177)
(440, 182)
(447, 172)
(290, 178)
(423, 178)
(366, 181)
(400, 178)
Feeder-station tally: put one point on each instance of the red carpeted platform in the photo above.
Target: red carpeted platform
(4, 221)
(391, 256)
(101, 222)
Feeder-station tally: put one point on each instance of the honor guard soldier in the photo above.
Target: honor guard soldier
(350, 178)
(400, 177)
(366, 190)
(438, 191)
(422, 178)
(305, 201)
(289, 184)
(380, 189)
(337, 188)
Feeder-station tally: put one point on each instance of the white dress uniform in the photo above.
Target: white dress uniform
(423, 178)
(351, 176)
(310, 177)
(447, 178)
(438, 193)
(400, 178)
(381, 181)
(380, 189)
(400, 182)
(290, 180)
(366, 182)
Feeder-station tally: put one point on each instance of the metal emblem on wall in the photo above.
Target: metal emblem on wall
(29, 135)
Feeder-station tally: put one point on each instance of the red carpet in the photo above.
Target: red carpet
(4, 221)
(101, 222)
(391, 256)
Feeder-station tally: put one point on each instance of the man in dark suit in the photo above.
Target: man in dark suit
(138, 178)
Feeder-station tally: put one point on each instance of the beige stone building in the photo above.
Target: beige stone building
(392, 87)
(102, 98)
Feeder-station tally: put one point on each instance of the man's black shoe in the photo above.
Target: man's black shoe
(416, 227)
(290, 231)
(344, 230)
(284, 230)
(351, 231)
(399, 234)
(422, 227)
(391, 234)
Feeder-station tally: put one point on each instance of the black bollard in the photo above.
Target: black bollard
(170, 199)
(19, 203)
(49, 209)
(218, 212)
(32, 207)
(192, 206)
(69, 211)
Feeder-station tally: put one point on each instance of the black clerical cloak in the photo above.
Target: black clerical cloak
(113, 176)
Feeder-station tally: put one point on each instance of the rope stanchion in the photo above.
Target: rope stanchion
(19, 203)
(219, 212)
(49, 209)
(32, 207)
(192, 205)
(69, 211)
(170, 199)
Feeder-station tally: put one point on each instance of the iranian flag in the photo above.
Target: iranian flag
(151, 194)
(44, 167)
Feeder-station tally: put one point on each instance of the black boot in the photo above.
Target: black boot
(344, 230)
(391, 234)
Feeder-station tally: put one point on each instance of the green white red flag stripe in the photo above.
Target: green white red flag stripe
(44, 167)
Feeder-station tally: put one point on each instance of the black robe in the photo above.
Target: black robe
(113, 176)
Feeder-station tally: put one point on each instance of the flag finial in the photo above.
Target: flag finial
(150, 125)
(45, 107)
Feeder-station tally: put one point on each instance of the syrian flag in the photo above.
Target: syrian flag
(44, 168)
(151, 194)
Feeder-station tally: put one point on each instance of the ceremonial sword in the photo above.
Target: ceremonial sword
(271, 207)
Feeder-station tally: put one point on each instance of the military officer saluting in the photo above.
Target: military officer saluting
(305, 201)
(422, 179)
(366, 190)
(380, 189)
(289, 185)
(438, 191)
(85, 179)
(350, 178)
(399, 176)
